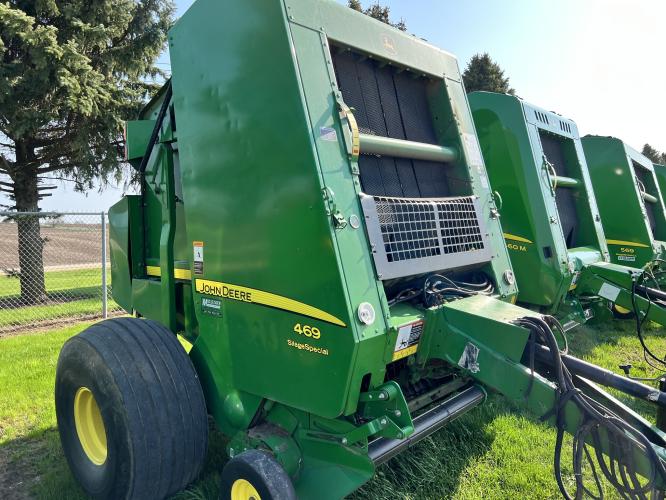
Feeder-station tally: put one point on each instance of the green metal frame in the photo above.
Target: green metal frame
(242, 240)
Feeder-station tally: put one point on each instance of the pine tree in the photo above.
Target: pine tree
(482, 73)
(378, 12)
(654, 155)
(70, 74)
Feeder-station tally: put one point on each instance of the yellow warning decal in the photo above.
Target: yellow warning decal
(513, 237)
(254, 296)
(179, 274)
(356, 138)
(346, 112)
(403, 353)
(627, 243)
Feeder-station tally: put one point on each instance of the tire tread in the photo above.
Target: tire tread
(163, 401)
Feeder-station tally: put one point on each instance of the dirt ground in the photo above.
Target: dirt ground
(75, 245)
(18, 476)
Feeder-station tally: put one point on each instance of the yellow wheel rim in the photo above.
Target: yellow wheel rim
(90, 426)
(243, 490)
(621, 309)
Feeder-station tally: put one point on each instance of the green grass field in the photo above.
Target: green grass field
(495, 451)
(72, 293)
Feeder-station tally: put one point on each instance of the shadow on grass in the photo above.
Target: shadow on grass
(34, 466)
(52, 297)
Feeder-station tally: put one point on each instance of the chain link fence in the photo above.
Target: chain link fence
(54, 268)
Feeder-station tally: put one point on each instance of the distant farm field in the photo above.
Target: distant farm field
(72, 262)
(66, 245)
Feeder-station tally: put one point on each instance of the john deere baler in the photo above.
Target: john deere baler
(629, 199)
(315, 219)
(551, 222)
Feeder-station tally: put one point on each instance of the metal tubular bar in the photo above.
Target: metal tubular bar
(606, 377)
(565, 182)
(649, 198)
(651, 293)
(397, 148)
(382, 450)
(105, 309)
(661, 412)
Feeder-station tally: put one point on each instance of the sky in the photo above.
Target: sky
(598, 62)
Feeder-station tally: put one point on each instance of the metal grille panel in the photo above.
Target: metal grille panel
(391, 103)
(408, 227)
(413, 236)
(460, 226)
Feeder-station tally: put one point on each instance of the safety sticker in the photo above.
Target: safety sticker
(328, 134)
(574, 280)
(473, 152)
(408, 340)
(608, 291)
(212, 307)
(198, 256)
(469, 360)
(484, 181)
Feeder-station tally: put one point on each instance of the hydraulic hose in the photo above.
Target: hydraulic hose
(623, 439)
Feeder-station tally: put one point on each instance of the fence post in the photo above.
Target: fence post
(104, 287)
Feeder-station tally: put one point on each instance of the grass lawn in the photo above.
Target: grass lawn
(57, 281)
(495, 451)
(74, 293)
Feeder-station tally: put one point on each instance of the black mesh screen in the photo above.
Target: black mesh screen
(646, 186)
(564, 197)
(394, 104)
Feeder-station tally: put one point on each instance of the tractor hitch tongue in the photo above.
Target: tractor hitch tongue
(315, 223)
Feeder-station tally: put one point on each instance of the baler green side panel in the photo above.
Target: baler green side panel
(506, 147)
(137, 136)
(624, 219)
(119, 245)
(233, 132)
